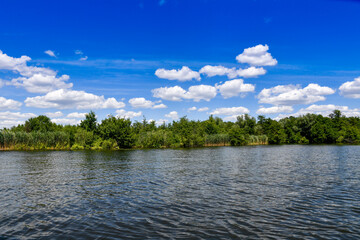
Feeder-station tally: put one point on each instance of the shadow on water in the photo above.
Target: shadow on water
(228, 192)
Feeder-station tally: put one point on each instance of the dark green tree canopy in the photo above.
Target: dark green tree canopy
(41, 124)
(90, 122)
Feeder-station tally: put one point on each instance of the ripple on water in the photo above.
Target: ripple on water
(261, 192)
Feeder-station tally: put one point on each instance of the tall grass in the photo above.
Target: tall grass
(217, 140)
(33, 141)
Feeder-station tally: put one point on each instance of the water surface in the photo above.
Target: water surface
(263, 192)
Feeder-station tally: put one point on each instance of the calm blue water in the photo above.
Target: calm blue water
(264, 192)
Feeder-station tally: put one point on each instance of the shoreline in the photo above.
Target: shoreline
(165, 148)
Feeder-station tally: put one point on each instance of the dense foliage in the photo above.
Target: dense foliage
(115, 133)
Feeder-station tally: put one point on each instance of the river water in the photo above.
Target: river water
(261, 192)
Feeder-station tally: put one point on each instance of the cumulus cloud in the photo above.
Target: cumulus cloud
(212, 71)
(15, 115)
(293, 94)
(10, 119)
(234, 88)
(173, 115)
(127, 114)
(33, 79)
(203, 109)
(54, 114)
(250, 72)
(10, 123)
(50, 53)
(183, 74)
(84, 58)
(257, 56)
(324, 110)
(47, 83)
(140, 103)
(199, 110)
(159, 106)
(351, 89)
(66, 121)
(143, 103)
(230, 111)
(161, 122)
(169, 93)
(9, 104)
(76, 115)
(275, 109)
(196, 93)
(201, 92)
(63, 99)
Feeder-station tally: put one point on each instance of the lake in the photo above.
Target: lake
(255, 192)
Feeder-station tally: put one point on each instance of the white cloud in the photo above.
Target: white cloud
(13, 64)
(54, 114)
(212, 71)
(324, 110)
(230, 111)
(140, 103)
(63, 99)
(196, 93)
(15, 115)
(39, 83)
(183, 74)
(173, 115)
(232, 118)
(351, 89)
(10, 119)
(50, 53)
(257, 56)
(33, 79)
(293, 94)
(143, 103)
(66, 121)
(234, 88)
(127, 114)
(9, 104)
(76, 115)
(84, 58)
(159, 106)
(248, 72)
(275, 109)
(161, 121)
(79, 52)
(199, 110)
(169, 93)
(201, 92)
(10, 123)
(203, 109)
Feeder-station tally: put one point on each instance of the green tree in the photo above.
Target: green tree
(41, 124)
(90, 122)
(118, 129)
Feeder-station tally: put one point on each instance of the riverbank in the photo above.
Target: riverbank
(119, 133)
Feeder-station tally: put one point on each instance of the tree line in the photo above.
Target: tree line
(119, 133)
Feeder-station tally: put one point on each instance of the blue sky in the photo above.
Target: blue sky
(103, 55)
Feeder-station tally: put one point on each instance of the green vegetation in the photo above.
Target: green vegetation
(120, 133)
